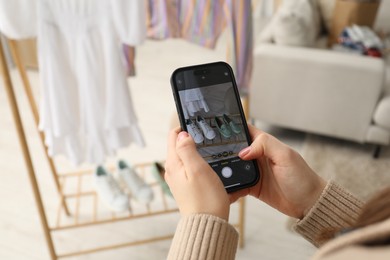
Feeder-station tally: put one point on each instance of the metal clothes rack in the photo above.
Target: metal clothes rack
(60, 179)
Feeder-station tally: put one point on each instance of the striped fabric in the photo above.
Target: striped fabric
(202, 22)
(240, 23)
(162, 18)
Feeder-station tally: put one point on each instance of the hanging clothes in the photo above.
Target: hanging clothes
(193, 101)
(202, 22)
(86, 108)
(18, 18)
(241, 24)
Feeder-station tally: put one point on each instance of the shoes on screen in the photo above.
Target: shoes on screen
(223, 128)
(233, 126)
(208, 132)
(194, 131)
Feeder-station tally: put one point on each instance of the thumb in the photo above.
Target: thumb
(186, 150)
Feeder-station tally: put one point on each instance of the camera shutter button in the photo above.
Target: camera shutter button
(227, 172)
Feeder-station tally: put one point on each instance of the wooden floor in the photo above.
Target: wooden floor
(21, 235)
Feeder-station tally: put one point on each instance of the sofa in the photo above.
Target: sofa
(321, 91)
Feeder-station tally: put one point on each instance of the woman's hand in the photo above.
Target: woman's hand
(193, 183)
(287, 183)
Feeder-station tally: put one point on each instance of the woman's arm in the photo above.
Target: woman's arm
(334, 210)
(202, 236)
(203, 231)
(287, 183)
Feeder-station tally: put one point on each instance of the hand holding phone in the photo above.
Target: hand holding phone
(210, 110)
(194, 184)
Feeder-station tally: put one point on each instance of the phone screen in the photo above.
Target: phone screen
(210, 110)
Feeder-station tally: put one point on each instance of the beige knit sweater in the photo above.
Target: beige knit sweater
(207, 237)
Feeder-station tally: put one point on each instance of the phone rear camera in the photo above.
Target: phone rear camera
(226, 74)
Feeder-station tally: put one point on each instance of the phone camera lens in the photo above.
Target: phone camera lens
(226, 74)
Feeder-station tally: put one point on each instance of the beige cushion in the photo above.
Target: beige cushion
(296, 23)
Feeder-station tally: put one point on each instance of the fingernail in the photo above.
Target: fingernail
(182, 135)
(244, 151)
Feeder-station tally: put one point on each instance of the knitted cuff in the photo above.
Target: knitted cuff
(203, 237)
(335, 209)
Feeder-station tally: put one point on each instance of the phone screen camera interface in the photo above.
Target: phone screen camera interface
(210, 110)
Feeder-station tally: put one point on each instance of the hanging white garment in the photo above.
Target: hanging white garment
(86, 109)
(193, 101)
(18, 18)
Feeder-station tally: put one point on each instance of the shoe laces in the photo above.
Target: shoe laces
(193, 127)
(204, 123)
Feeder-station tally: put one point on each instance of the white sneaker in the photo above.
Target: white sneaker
(194, 131)
(137, 187)
(109, 191)
(208, 132)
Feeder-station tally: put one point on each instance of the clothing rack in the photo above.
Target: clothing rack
(71, 219)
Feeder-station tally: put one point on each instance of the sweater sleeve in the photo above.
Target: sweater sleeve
(336, 208)
(203, 236)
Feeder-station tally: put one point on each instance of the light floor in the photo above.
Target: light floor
(21, 235)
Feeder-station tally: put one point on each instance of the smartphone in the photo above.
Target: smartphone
(210, 110)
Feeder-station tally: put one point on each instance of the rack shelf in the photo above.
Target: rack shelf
(74, 186)
(161, 204)
(78, 191)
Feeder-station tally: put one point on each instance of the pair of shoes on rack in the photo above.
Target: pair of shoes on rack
(226, 126)
(110, 192)
(194, 130)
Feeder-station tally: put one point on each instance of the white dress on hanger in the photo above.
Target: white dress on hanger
(86, 109)
(18, 18)
(193, 101)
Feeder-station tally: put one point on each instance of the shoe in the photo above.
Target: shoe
(158, 173)
(194, 131)
(223, 128)
(138, 188)
(208, 132)
(109, 191)
(235, 128)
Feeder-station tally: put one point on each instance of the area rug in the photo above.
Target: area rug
(349, 164)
